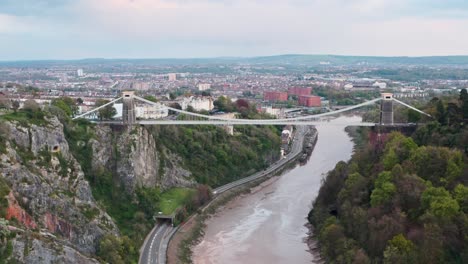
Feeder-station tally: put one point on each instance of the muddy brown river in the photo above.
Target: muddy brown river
(268, 226)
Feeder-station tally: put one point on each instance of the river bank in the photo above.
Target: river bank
(189, 233)
(268, 226)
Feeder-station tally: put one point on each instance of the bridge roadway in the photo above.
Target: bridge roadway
(241, 122)
(154, 248)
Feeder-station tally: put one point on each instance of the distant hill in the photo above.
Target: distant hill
(296, 59)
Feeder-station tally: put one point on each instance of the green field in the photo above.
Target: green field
(174, 198)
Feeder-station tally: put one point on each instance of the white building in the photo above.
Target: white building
(204, 86)
(80, 72)
(380, 85)
(151, 111)
(276, 112)
(198, 103)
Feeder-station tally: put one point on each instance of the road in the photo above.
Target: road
(154, 248)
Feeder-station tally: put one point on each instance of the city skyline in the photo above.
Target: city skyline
(52, 29)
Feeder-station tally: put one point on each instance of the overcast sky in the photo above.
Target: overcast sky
(75, 29)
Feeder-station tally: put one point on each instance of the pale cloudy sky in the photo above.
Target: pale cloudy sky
(74, 29)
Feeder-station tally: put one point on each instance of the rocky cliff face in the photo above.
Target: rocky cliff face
(49, 194)
(51, 201)
(133, 154)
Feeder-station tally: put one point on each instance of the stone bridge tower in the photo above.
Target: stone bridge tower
(386, 109)
(128, 109)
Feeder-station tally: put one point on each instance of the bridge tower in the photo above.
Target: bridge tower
(128, 109)
(386, 109)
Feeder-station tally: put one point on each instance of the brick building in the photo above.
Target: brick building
(309, 101)
(300, 91)
(275, 96)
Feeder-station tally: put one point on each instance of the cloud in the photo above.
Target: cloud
(201, 28)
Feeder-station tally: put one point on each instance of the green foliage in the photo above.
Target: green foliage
(439, 202)
(461, 196)
(27, 117)
(399, 250)
(214, 157)
(382, 194)
(395, 204)
(441, 166)
(90, 212)
(117, 250)
(107, 112)
(4, 132)
(149, 199)
(174, 198)
(67, 104)
(151, 98)
(6, 247)
(464, 103)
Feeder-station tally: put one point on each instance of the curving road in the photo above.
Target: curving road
(154, 248)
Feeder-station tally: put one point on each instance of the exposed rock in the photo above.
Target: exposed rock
(132, 153)
(49, 190)
(38, 251)
(51, 199)
(14, 210)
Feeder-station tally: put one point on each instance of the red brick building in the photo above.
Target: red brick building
(309, 101)
(300, 91)
(275, 96)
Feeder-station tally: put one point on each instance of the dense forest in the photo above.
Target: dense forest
(404, 200)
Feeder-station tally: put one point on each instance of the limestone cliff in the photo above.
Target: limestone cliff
(133, 154)
(49, 199)
(49, 195)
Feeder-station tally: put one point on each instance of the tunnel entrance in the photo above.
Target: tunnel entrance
(161, 218)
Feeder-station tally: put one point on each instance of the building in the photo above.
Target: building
(172, 77)
(277, 112)
(309, 101)
(151, 111)
(275, 96)
(300, 91)
(80, 72)
(140, 86)
(198, 103)
(204, 86)
(381, 85)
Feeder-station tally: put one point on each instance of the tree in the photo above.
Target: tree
(67, 104)
(464, 103)
(384, 189)
(151, 98)
(413, 116)
(107, 112)
(31, 105)
(110, 247)
(223, 104)
(461, 195)
(441, 113)
(399, 250)
(15, 105)
(439, 202)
